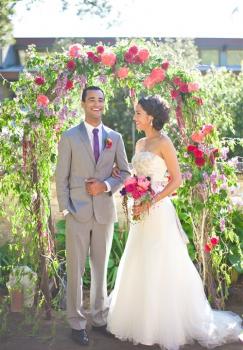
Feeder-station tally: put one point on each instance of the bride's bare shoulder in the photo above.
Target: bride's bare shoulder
(164, 138)
(140, 144)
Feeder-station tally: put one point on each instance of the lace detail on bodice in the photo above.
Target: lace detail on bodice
(150, 164)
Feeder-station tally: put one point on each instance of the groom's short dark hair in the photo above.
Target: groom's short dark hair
(90, 88)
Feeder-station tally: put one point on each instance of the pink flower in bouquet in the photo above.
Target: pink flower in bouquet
(122, 72)
(133, 50)
(136, 194)
(214, 240)
(130, 184)
(207, 129)
(39, 80)
(143, 183)
(143, 55)
(100, 49)
(108, 59)
(42, 100)
(197, 137)
(165, 65)
(71, 65)
(137, 60)
(75, 50)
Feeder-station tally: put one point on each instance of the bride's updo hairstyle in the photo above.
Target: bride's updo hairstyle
(158, 108)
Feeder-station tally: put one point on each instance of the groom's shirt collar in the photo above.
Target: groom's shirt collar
(90, 129)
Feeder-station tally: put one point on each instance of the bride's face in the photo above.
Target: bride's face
(141, 118)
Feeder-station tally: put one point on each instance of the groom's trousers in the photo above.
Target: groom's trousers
(82, 239)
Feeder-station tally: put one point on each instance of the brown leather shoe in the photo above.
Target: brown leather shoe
(80, 336)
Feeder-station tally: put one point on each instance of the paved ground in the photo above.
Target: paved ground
(55, 334)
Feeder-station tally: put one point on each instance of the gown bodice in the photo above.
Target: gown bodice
(150, 164)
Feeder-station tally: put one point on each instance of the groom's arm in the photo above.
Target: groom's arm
(63, 172)
(122, 163)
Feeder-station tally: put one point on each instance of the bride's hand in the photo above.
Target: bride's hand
(141, 208)
(116, 172)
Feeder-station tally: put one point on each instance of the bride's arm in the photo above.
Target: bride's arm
(169, 154)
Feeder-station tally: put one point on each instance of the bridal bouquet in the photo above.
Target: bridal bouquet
(139, 189)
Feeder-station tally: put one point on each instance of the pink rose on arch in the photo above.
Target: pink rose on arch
(39, 80)
(197, 137)
(198, 153)
(177, 81)
(184, 88)
(174, 94)
(133, 50)
(143, 55)
(193, 87)
(200, 161)
(71, 65)
(157, 74)
(75, 50)
(207, 129)
(69, 85)
(128, 57)
(148, 82)
(214, 240)
(42, 100)
(100, 49)
(122, 72)
(108, 59)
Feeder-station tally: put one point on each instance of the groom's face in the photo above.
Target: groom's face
(93, 106)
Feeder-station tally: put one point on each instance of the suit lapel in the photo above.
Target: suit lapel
(86, 142)
(105, 134)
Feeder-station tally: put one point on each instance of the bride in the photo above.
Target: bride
(159, 297)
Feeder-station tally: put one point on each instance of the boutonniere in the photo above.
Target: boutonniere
(108, 142)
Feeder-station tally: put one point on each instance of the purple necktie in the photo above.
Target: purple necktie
(96, 144)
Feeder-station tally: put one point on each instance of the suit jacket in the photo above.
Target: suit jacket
(76, 163)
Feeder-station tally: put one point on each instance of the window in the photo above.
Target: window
(235, 57)
(209, 57)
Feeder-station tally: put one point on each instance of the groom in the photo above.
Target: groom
(85, 187)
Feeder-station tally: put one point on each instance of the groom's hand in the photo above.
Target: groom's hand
(95, 187)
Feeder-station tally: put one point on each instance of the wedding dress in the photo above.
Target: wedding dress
(159, 297)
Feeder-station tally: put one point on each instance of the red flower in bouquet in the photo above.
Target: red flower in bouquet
(133, 50)
(165, 65)
(100, 49)
(143, 55)
(69, 85)
(139, 189)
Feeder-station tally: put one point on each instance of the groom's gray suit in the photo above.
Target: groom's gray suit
(89, 224)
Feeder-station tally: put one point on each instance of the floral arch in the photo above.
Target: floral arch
(47, 95)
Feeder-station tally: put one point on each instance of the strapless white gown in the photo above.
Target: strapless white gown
(158, 296)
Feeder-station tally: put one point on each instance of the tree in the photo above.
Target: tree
(99, 8)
